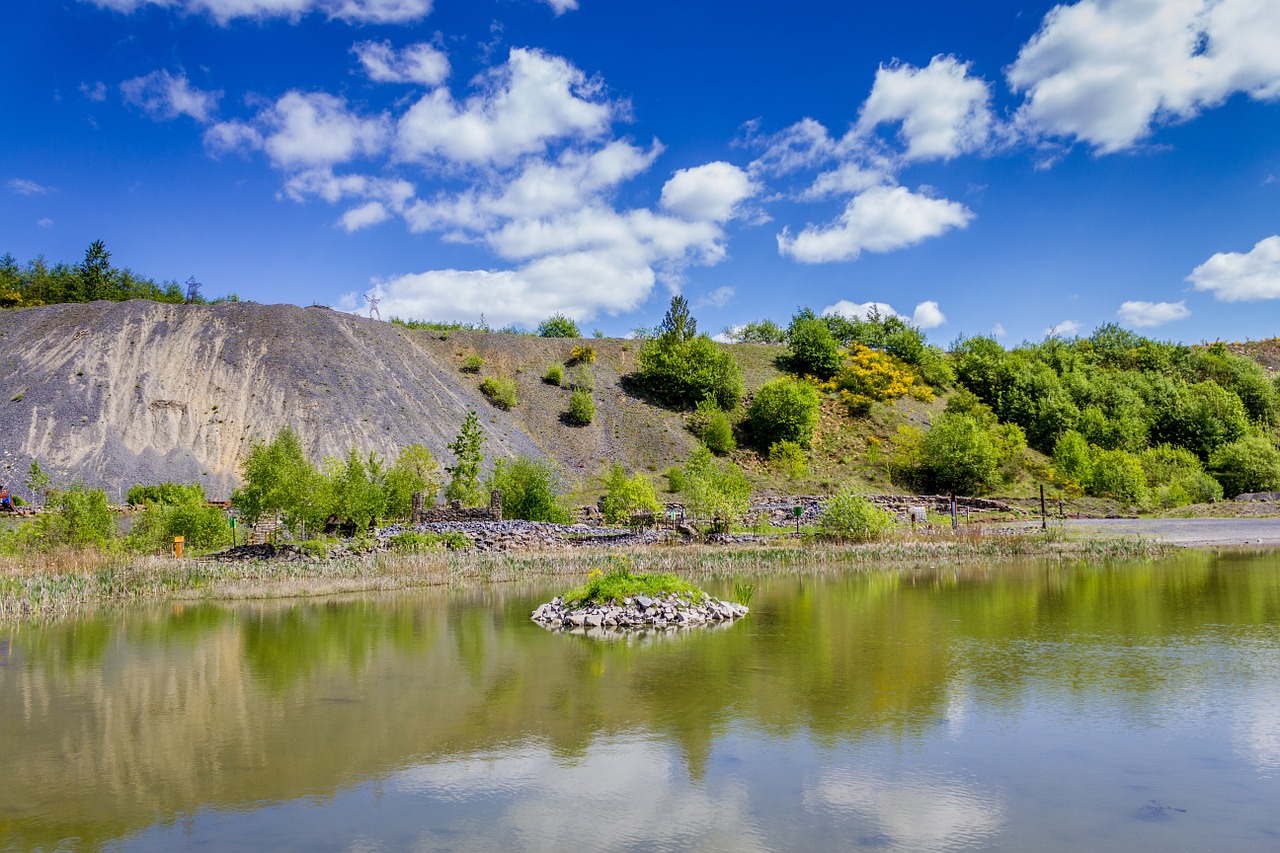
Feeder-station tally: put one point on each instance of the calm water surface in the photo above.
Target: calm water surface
(1067, 707)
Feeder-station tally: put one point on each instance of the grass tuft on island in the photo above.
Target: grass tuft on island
(620, 584)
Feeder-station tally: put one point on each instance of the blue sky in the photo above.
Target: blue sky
(999, 168)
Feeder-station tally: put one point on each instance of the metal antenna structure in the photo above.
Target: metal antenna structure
(373, 299)
(193, 289)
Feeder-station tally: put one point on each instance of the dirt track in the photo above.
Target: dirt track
(1184, 532)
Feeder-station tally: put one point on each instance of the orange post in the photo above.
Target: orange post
(177, 546)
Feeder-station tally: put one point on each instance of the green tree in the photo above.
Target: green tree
(1073, 458)
(1118, 474)
(38, 481)
(713, 428)
(678, 322)
(626, 496)
(558, 326)
(415, 470)
(715, 489)
(962, 455)
(757, 332)
(464, 475)
(681, 372)
(80, 518)
(531, 490)
(849, 516)
(280, 479)
(357, 489)
(96, 274)
(814, 350)
(1250, 464)
(783, 410)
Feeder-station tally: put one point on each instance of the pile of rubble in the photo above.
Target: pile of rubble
(530, 535)
(673, 611)
(264, 551)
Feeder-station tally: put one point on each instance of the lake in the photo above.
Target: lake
(1047, 706)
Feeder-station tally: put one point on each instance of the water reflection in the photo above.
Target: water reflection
(928, 710)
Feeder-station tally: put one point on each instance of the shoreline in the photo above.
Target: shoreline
(67, 584)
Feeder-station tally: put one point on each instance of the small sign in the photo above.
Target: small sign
(233, 523)
(918, 514)
(797, 511)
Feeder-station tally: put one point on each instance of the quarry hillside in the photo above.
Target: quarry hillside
(118, 393)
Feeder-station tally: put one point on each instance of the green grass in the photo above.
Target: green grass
(620, 583)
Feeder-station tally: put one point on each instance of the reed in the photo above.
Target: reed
(60, 583)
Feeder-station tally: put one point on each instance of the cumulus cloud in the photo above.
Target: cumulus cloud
(928, 316)
(1108, 71)
(711, 192)
(417, 63)
(1150, 314)
(303, 129)
(561, 6)
(1064, 329)
(943, 112)
(525, 104)
(365, 215)
(861, 310)
(997, 331)
(164, 96)
(880, 219)
(225, 11)
(22, 186)
(1237, 277)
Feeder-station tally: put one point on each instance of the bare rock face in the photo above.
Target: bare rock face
(142, 392)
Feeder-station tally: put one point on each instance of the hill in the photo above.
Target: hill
(119, 393)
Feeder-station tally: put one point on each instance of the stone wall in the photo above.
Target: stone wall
(455, 511)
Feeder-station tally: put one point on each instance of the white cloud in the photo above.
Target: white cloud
(847, 179)
(804, 145)
(561, 6)
(1064, 329)
(1149, 314)
(717, 298)
(709, 192)
(417, 63)
(928, 316)
(997, 331)
(44, 222)
(1236, 277)
(225, 11)
(525, 104)
(1108, 71)
(365, 215)
(942, 110)
(539, 189)
(97, 92)
(163, 96)
(880, 219)
(303, 129)
(22, 186)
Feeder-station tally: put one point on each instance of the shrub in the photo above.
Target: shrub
(675, 479)
(783, 410)
(715, 489)
(558, 326)
(814, 350)
(1118, 474)
(867, 374)
(849, 516)
(681, 373)
(962, 455)
(627, 496)
(582, 354)
(712, 427)
(530, 490)
(1250, 464)
(201, 527)
(554, 375)
(279, 479)
(472, 363)
(1073, 458)
(788, 458)
(81, 517)
(415, 470)
(758, 332)
(582, 409)
(500, 390)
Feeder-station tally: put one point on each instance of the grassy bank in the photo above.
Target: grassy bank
(64, 583)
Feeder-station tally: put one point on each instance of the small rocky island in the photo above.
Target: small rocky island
(621, 600)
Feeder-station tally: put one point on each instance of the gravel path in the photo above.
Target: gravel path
(1185, 532)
